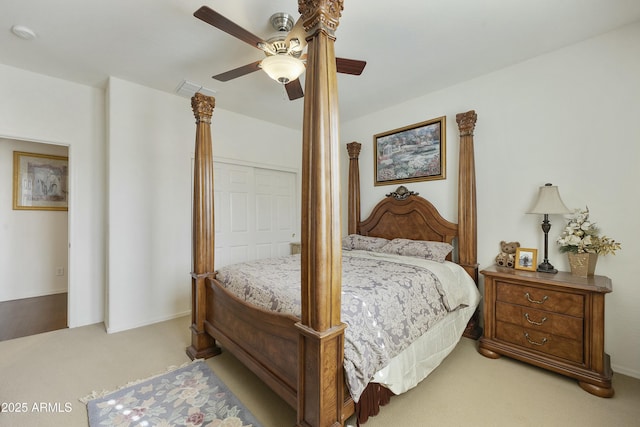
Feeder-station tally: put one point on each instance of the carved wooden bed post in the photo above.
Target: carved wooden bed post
(202, 344)
(353, 207)
(321, 342)
(467, 220)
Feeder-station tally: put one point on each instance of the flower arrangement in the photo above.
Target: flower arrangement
(581, 236)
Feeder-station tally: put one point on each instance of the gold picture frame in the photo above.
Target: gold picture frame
(413, 153)
(40, 182)
(526, 259)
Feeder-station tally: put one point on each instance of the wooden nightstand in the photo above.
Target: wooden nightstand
(554, 321)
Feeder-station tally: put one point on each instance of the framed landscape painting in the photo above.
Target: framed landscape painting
(413, 153)
(40, 182)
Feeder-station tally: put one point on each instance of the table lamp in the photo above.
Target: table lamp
(548, 203)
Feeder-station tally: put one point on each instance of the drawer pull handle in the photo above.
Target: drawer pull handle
(544, 340)
(544, 298)
(533, 322)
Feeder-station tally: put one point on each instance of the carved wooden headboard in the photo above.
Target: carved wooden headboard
(404, 214)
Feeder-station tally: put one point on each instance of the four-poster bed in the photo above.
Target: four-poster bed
(301, 357)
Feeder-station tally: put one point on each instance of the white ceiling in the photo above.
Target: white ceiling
(412, 47)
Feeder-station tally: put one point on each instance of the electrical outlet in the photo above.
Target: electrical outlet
(59, 271)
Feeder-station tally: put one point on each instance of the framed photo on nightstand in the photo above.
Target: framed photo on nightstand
(526, 259)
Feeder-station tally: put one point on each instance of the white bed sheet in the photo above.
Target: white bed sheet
(416, 362)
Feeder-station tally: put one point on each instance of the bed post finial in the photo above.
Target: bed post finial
(203, 233)
(202, 107)
(467, 123)
(467, 211)
(353, 208)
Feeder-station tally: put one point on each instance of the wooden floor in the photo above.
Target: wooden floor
(30, 316)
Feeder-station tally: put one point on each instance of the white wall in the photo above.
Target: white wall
(37, 108)
(33, 243)
(151, 137)
(569, 118)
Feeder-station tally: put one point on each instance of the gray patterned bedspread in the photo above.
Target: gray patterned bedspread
(387, 301)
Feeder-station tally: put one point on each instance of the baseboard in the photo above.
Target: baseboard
(625, 371)
(111, 330)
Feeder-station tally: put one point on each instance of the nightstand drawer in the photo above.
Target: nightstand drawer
(540, 341)
(539, 320)
(541, 298)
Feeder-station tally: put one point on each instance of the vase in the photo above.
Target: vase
(583, 265)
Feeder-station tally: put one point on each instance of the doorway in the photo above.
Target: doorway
(33, 254)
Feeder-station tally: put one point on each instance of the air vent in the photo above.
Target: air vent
(188, 89)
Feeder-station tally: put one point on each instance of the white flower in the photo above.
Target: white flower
(572, 240)
(581, 235)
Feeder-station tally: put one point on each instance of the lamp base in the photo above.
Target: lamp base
(546, 267)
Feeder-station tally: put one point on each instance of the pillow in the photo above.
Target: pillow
(365, 243)
(434, 251)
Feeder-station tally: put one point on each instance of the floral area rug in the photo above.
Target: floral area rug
(191, 395)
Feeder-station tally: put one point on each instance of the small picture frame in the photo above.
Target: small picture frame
(526, 259)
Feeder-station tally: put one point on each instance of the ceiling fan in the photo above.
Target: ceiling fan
(284, 60)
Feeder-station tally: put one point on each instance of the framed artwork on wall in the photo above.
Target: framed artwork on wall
(413, 153)
(40, 182)
(526, 259)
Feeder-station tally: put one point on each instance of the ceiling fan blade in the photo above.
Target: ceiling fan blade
(238, 72)
(212, 17)
(350, 66)
(297, 32)
(294, 89)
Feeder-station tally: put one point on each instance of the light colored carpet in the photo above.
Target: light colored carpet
(51, 371)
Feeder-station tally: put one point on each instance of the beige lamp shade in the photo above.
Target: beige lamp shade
(549, 202)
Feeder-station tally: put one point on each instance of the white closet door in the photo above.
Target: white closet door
(275, 212)
(255, 212)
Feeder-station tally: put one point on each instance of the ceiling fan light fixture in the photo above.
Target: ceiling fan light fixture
(282, 68)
